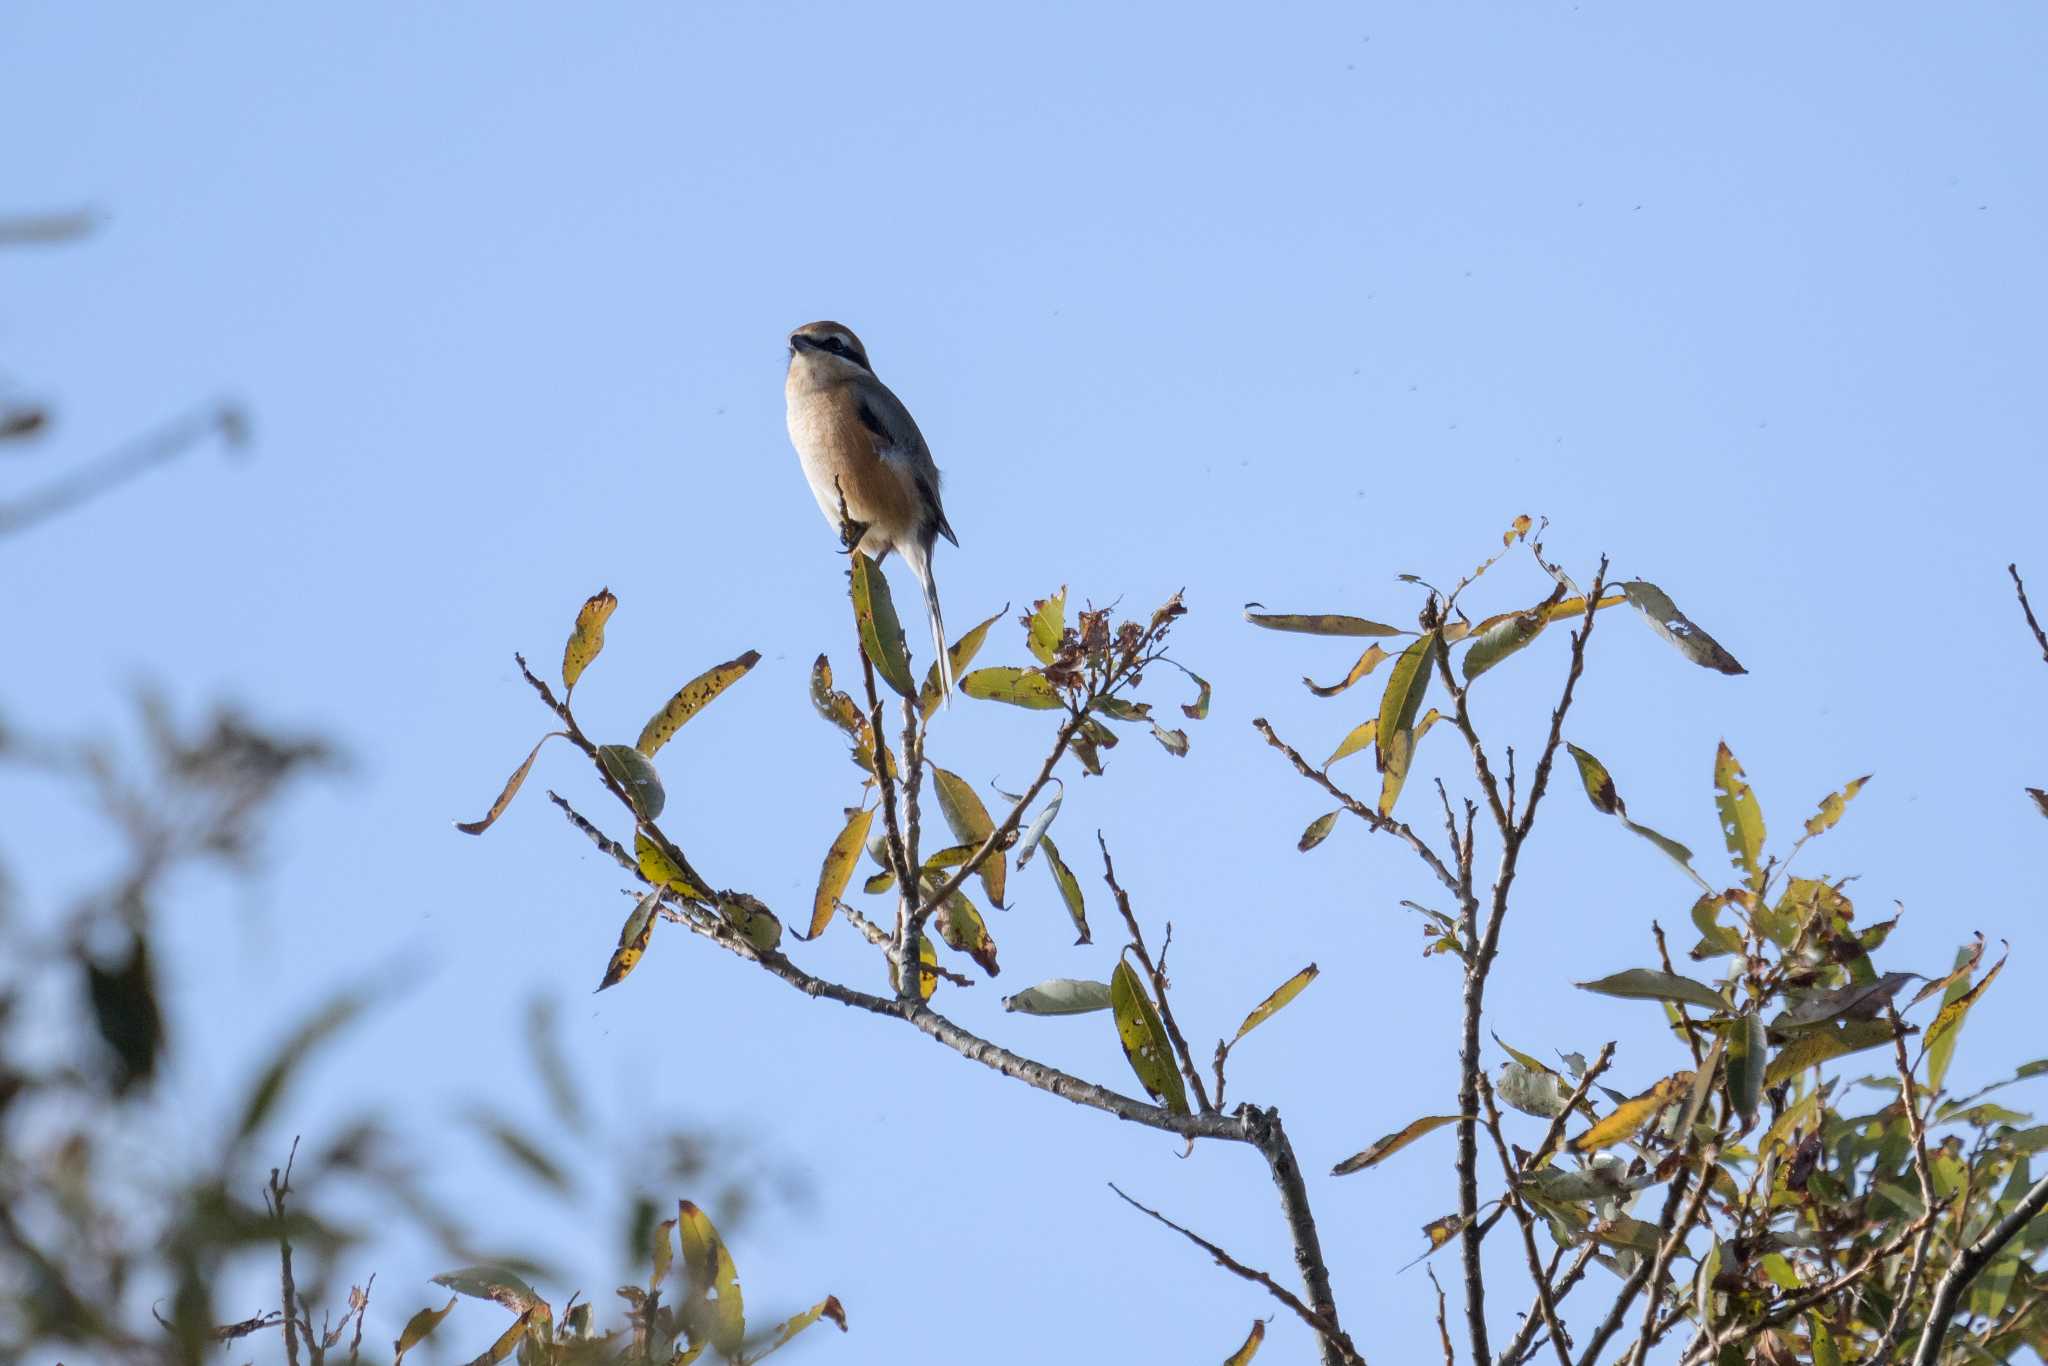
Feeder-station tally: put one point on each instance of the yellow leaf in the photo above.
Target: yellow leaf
(507, 1341)
(418, 1327)
(1046, 624)
(1366, 663)
(1282, 994)
(659, 869)
(1941, 1035)
(959, 923)
(838, 870)
(1359, 737)
(1144, 1040)
(1629, 1117)
(1831, 807)
(1742, 820)
(1019, 687)
(713, 1309)
(1243, 1355)
(829, 1307)
(588, 637)
(692, 698)
(1399, 757)
(969, 821)
(633, 937)
(664, 1253)
(511, 789)
(1517, 529)
(1391, 1144)
(1576, 607)
(960, 655)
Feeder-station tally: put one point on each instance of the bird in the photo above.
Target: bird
(858, 443)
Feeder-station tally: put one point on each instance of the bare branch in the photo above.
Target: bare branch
(118, 467)
(1324, 1328)
(1397, 829)
(2040, 636)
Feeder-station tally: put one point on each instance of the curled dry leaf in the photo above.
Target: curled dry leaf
(510, 790)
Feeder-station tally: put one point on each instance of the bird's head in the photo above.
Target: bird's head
(831, 346)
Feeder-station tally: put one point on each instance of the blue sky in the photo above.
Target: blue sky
(1270, 308)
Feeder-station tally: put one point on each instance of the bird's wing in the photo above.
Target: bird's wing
(898, 441)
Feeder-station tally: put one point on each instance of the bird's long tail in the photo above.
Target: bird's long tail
(921, 565)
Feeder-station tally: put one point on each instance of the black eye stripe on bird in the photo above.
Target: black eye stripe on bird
(857, 442)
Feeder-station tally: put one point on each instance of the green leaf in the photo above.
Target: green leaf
(633, 937)
(1407, 684)
(1745, 1070)
(1174, 742)
(1060, 996)
(1742, 820)
(960, 655)
(1046, 624)
(1282, 994)
(1144, 1040)
(1667, 621)
(1243, 1355)
(751, 917)
(692, 698)
(630, 769)
(1490, 646)
(1019, 687)
(1357, 739)
(1715, 937)
(1831, 807)
(419, 1328)
(837, 871)
(495, 1283)
(1392, 1143)
(664, 1252)
(588, 637)
(1857, 1001)
(1652, 985)
(1318, 623)
(510, 790)
(1825, 1044)
(1598, 781)
(1318, 830)
(969, 821)
(1365, 664)
(1948, 1022)
(520, 1150)
(881, 634)
(1069, 888)
(713, 1308)
(833, 705)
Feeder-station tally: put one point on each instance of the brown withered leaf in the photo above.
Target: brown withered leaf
(510, 790)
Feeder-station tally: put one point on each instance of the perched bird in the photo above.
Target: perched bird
(858, 443)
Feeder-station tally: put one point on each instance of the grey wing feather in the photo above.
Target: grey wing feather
(898, 439)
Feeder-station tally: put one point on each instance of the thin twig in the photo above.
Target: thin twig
(111, 471)
(280, 1187)
(1528, 1227)
(1325, 1329)
(1443, 1323)
(1397, 829)
(2040, 636)
(1909, 1097)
